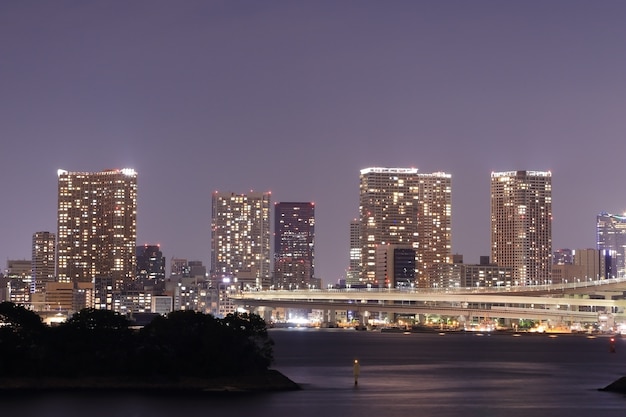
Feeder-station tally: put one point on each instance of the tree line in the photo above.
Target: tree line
(103, 343)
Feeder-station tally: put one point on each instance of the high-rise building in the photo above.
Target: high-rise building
(97, 226)
(592, 264)
(399, 206)
(521, 224)
(563, 257)
(150, 264)
(611, 241)
(197, 270)
(395, 266)
(240, 238)
(19, 277)
(354, 269)
(294, 245)
(179, 268)
(43, 260)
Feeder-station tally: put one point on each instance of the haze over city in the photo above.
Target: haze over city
(296, 97)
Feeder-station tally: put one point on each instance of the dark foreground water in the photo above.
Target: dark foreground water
(401, 375)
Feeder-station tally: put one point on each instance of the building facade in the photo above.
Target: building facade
(150, 265)
(521, 224)
(240, 238)
(97, 226)
(43, 260)
(294, 245)
(611, 240)
(563, 257)
(395, 266)
(19, 281)
(592, 263)
(354, 259)
(179, 268)
(400, 206)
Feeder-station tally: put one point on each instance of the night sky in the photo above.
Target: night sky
(295, 97)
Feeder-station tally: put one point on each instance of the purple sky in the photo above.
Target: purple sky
(295, 97)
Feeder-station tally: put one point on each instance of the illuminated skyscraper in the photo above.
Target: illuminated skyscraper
(399, 206)
(43, 260)
(521, 224)
(294, 245)
(97, 226)
(240, 238)
(611, 241)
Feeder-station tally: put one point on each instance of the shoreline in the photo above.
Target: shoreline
(269, 381)
(618, 386)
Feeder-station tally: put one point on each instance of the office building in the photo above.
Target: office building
(395, 266)
(150, 265)
(294, 245)
(97, 226)
(521, 224)
(462, 275)
(197, 270)
(485, 274)
(179, 268)
(563, 257)
(43, 260)
(400, 206)
(611, 240)
(240, 239)
(19, 281)
(592, 263)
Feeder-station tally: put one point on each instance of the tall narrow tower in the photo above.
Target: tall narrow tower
(521, 224)
(354, 257)
(294, 245)
(97, 226)
(399, 206)
(240, 238)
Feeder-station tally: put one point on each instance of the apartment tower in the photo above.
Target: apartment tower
(240, 238)
(521, 224)
(399, 206)
(294, 245)
(97, 226)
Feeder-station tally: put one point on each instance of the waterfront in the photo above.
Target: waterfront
(401, 375)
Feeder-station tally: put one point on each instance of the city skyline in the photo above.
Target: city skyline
(297, 97)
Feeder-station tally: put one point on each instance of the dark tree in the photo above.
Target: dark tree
(22, 339)
(92, 342)
(191, 343)
(101, 343)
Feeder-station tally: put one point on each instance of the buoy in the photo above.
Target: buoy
(356, 369)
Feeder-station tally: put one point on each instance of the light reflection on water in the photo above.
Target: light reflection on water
(401, 375)
(461, 374)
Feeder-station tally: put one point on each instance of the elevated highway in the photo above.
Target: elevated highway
(567, 302)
